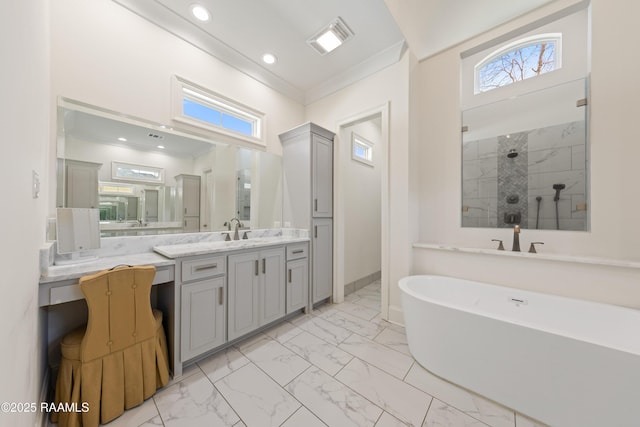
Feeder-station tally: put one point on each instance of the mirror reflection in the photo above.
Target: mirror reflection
(524, 161)
(146, 179)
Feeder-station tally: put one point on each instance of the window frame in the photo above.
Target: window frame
(183, 89)
(537, 39)
(358, 140)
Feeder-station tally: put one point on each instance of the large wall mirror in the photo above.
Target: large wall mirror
(148, 179)
(524, 98)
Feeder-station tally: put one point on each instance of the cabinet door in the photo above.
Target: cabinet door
(203, 317)
(82, 185)
(322, 259)
(272, 285)
(322, 176)
(191, 196)
(191, 224)
(297, 284)
(244, 278)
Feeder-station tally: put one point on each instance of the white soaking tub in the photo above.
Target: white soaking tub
(565, 362)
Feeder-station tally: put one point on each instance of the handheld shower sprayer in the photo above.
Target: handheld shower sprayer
(556, 198)
(558, 188)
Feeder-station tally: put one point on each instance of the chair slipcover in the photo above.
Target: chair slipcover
(120, 357)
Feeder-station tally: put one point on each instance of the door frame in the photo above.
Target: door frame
(340, 159)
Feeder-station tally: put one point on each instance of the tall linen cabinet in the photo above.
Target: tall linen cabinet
(307, 157)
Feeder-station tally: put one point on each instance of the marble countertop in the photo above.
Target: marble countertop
(201, 248)
(537, 256)
(56, 273)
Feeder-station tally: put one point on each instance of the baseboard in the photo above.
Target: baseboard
(396, 315)
(42, 417)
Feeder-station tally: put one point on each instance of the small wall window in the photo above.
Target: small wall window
(211, 111)
(130, 172)
(361, 149)
(517, 61)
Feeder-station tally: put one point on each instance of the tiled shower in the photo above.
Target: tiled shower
(509, 179)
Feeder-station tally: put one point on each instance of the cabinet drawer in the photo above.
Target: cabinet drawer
(297, 251)
(202, 268)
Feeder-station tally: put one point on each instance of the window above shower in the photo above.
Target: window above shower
(525, 137)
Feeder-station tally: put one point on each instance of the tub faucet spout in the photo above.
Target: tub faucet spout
(516, 239)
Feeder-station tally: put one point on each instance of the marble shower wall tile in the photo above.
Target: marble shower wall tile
(335, 404)
(396, 397)
(258, 400)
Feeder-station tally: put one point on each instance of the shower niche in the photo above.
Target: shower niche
(525, 161)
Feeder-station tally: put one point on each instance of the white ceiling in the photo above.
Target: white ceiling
(241, 31)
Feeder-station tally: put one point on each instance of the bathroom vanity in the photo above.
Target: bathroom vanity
(212, 292)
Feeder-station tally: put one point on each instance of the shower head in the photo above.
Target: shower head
(558, 188)
(512, 153)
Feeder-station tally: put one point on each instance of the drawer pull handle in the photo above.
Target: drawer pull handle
(298, 251)
(207, 267)
(221, 296)
(257, 267)
(289, 275)
(316, 231)
(315, 205)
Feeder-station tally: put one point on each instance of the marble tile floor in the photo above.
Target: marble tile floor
(342, 365)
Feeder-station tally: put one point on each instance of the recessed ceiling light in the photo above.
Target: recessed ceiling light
(122, 139)
(269, 58)
(160, 146)
(200, 12)
(331, 36)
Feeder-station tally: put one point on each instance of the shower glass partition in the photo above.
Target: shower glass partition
(525, 161)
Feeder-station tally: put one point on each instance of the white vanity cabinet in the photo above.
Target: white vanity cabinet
(256, 290)
(203, 305)
(297, 277)
(322, 249)
(81, 184)
(188, 201)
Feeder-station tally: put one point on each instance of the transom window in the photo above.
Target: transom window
(361, 149)
(517, 61)
(209, 110)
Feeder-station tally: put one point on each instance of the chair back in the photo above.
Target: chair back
(120, 313)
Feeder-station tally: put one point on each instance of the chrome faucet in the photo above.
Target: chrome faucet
(236, 236)
(516, 239)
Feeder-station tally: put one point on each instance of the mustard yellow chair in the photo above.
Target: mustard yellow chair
(120, 357)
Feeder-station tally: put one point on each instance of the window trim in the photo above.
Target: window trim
(357, 140)
(514, 45)
(115, 166)
(184, 89)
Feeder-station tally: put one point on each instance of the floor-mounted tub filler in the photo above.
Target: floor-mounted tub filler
(565, 362)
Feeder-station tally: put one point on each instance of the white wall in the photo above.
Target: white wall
(24, 109)
(95, 152)
(361, 184)
(614, 156)
(389, 85)
(105, 55)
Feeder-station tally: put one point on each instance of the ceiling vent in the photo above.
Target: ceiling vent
(331, 36)
(155, 136)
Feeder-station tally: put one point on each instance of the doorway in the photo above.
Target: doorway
(361, 176)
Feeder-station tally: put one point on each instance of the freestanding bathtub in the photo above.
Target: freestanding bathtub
(565, 362)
